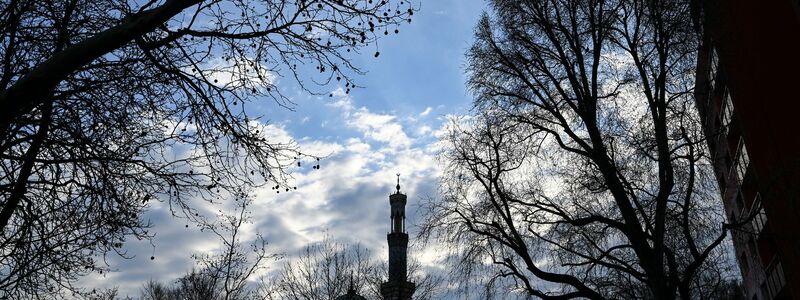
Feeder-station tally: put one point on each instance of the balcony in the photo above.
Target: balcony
(741, 162)
(759, 221)
(713, 68)
(726, 113)
(775, 279)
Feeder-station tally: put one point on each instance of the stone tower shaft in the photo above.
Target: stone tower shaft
(398, 239)
(398, 287)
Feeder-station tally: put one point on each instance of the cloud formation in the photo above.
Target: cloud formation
(347, 198)
(378, 127)
(366, 137)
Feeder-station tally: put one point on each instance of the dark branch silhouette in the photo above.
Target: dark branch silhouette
(583, 172)
(224, 274)
(325, 270)
(110, 105)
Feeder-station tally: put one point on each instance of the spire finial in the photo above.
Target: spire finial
(398, 183)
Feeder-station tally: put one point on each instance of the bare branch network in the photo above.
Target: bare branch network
(109, 105)
(583, 171)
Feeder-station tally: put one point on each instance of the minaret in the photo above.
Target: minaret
(398, 287)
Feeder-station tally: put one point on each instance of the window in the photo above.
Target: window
(713, 67)
(741, 163)
(726, 112)
(760, 220)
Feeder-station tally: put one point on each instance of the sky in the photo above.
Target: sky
(389, 126)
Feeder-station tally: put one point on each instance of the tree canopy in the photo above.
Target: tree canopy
(583, 172)
(109, 105)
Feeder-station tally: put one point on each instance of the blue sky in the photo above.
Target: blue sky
(389, 126)
(420, 67)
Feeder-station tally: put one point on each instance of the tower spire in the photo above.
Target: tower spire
(398, 183)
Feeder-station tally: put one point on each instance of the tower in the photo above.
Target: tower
(398, 287)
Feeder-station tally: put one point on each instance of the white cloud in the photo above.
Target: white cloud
(345, 198)
(423, 130)
(383, 128)
(426, 112)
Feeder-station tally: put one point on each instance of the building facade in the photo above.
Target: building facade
(746, 94)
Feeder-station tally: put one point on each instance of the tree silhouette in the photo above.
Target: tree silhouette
(109, 105)
(583, 172)
(323, 271)
(229, 271)
(195, 285)
(326, 270)
(222, 274)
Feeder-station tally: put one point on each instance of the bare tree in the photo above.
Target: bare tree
(154, 290)
(583, 172)
(224, 274)
(232, 269)
(110, 104)
(194, 285)
(198, 285)
(323, 271)
(327, 269)
(108, 294)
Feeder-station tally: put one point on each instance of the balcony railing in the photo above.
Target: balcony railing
(741, 161)
(736, 172)
(726, 113)
(760, 219)
(712, 70)
(775, 279)
(743, 213)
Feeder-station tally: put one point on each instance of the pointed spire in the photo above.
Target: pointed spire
(398, 183)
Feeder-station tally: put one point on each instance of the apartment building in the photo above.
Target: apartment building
(748, 95)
